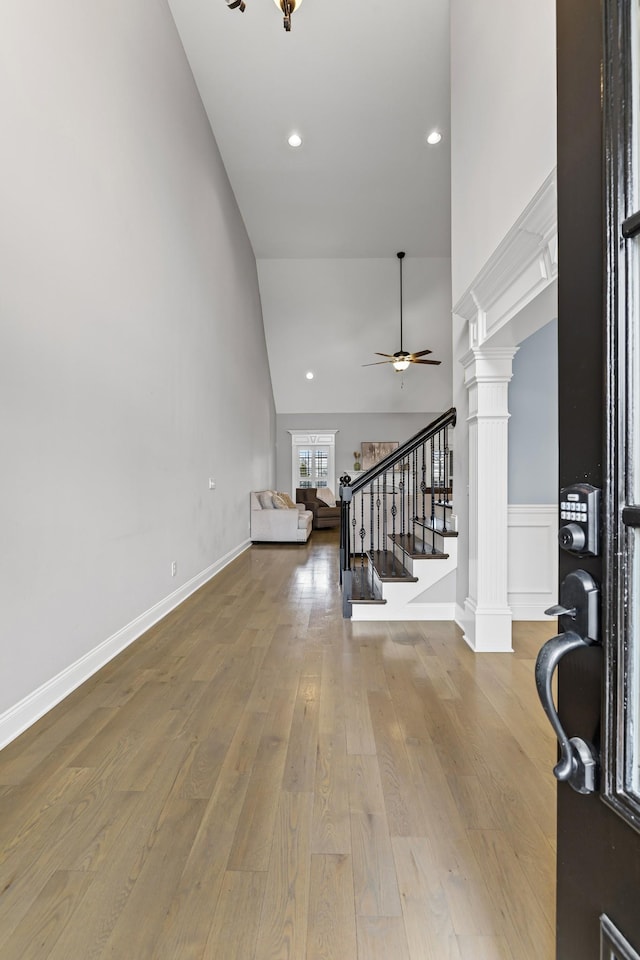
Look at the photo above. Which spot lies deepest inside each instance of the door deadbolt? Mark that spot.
(579, 531)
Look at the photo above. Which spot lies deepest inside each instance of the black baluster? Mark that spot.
(414, 512)
(394, 514)
(371, 530)
(345, 546)
(363, 533)
(384, 508)
(433, 497)
(403, 504)
(354, 522)
(445, 459)
(394, 508)
(377, 510)
(423, 489)
(449, 473)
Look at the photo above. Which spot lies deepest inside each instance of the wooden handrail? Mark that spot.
(446, 419)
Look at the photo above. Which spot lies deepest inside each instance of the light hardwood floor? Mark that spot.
(256, 778)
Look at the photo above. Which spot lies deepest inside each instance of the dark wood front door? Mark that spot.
(598, 905)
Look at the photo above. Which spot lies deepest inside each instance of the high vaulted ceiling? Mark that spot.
(363, 82)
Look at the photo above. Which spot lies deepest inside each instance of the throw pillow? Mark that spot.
(279, 502)
(266, 500)
(287, 499)
(327, 496)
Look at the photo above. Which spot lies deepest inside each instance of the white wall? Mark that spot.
(503, 109)
(133, 364)
(352, 429)
(503, 147)
(331, 316)
(533, 424)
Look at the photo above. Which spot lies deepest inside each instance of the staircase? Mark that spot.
(398, 543)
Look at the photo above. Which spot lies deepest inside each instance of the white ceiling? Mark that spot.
(363, 82)
(331, 316)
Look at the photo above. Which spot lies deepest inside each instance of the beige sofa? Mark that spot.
(273, 524)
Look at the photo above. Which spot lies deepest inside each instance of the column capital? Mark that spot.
(488, 365)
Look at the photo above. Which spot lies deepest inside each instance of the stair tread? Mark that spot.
(427, 525)
(388, 568)
(417, 549)
(362, 590)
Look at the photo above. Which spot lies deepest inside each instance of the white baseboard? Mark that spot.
(433, 611)
(27, 711)
(363, 612)
(530, 610)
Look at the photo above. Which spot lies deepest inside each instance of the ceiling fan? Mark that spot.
(402, 358)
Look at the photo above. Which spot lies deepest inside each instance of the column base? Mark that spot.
(488, 629)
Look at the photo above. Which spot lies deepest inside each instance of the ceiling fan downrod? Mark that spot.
(400, 256)
(402, 359)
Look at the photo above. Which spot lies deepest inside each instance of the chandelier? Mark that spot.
(285, 6)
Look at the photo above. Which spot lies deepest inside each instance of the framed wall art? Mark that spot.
(373, 451)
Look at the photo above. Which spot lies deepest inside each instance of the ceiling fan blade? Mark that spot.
(421, 353)
(435, 363)
(378, 354)
(377, 363)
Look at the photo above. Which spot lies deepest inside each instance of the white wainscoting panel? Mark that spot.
(532, 577)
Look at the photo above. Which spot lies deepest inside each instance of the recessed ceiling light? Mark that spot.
(309, 375)
(434, 137)
(295, 140)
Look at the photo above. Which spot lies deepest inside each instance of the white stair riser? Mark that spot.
(442, 545)
(399, 596)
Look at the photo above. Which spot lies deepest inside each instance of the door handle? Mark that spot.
(578, 764)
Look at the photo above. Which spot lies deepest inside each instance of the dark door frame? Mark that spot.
(598, 852)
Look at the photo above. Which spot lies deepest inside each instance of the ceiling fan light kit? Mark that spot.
(286, 7)
(400, 364)
(401, 359)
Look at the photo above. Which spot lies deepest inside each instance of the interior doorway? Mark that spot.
(313, 461)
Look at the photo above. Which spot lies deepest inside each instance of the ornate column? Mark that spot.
(487, 372)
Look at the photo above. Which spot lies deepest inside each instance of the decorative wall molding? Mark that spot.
(532, 580)
(22, 715)
(511, 297)
(521, 267)
(326, 438)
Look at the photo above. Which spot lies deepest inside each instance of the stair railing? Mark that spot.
(405, 499)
